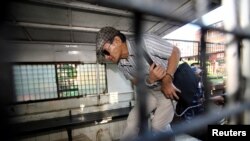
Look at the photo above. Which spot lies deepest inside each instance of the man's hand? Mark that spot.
(169, 89)
(159, 73)
(155, 73)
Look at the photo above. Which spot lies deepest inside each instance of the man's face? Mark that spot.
(112, 51)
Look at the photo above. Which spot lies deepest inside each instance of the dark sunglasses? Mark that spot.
(104, 52)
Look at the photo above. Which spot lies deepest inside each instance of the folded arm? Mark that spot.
(168, 87)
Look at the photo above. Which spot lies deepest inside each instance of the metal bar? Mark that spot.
(141, 88)
(69, 132)
(239, 95)
(85, 6)
(245, 22)
(98, 78)
(203, 58)
(57, 82)
(201, 7)
(232, 58)
(51, 43)
(60, 27)
(245, 67)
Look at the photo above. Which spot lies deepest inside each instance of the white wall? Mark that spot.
(116, 80)
(41, 52)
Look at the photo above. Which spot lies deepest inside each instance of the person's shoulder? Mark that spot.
(157, 39)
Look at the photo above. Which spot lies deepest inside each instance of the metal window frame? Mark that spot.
(56, 78)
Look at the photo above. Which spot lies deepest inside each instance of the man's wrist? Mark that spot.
(150, 84)
(167, 78)
(149, 81)
(170, 75)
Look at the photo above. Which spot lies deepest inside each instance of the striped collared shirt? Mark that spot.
(158, 49)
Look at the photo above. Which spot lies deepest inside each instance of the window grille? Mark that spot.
(35, 82)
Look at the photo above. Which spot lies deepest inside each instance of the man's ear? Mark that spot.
(117, 40)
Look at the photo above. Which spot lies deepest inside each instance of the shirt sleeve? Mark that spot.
(158, 49)
(127, 75)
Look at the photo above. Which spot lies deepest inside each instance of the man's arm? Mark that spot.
(167, 82)
(173, 61)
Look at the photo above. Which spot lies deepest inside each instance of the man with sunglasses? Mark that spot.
(112, 45)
